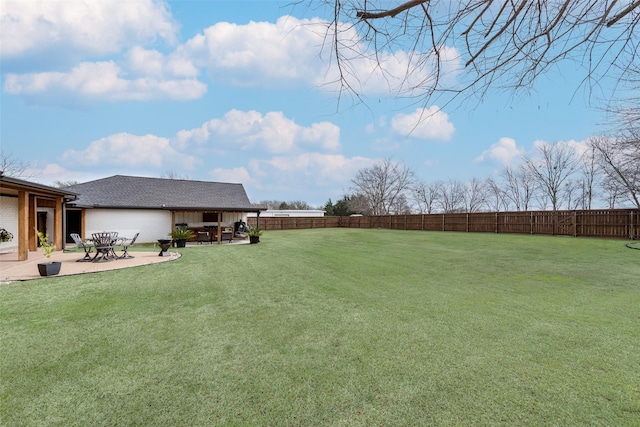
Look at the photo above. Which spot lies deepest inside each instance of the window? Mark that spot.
(210, 217)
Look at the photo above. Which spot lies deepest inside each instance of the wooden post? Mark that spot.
(531, 223)
(58, 232)
(23, 225)
(33, 223)
(219, 230)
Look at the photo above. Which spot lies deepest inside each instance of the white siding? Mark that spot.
(151, 224)
(9, 221)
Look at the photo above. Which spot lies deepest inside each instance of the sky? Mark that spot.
(241, 91)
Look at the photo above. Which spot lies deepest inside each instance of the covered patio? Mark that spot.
(27, 207)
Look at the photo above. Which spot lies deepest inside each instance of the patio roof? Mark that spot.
(132, 192)
(10, 186)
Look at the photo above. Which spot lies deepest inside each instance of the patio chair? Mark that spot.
(126, 244)
(88, 247)
(104, 246)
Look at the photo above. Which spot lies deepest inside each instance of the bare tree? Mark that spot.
(496, 199)
(506, 44)
(426, 196)
(519, 187)
(590, 172)
(383, 185)
(13, 167)
(474, 195)
(171, 174)
(552, 170)
(63, 184)
(620, 161)
(452, 196)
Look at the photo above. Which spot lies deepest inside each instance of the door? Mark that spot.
(41, 224)
(74, 224)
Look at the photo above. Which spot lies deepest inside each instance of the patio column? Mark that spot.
(58, 231)
(219, 231)
(33, 223)
(23, 225)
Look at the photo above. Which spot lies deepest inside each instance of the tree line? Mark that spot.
(604, 172)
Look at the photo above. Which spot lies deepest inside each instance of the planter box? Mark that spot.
(49, 268)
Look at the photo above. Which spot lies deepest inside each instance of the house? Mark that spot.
(26, 206)
(153, 206)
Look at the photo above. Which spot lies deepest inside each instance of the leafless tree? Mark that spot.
(620, 162)
(171, 174)
(474, 195)
(519, 187)
(506, 44)
(383, 185)
(590, 172)
(452, 196)
(552, 169)
(496, 199)
(426, 196)
(13, 167)
(63, 184)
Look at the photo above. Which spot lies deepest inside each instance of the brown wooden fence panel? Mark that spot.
(455, 222)
(434, 222)
(611, 223)
(482, 222)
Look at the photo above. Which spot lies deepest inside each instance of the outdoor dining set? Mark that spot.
(105, 245)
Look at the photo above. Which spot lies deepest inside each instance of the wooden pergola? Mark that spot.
(32, 196)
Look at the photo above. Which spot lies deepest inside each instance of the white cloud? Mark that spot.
(294, 52)
(505, 151)
(101, 80)
(126, 150)
(147, 62)
(81, 27)
(424, 123)
(400, 73)
(284, 53)
(251, 130)
(238, 175)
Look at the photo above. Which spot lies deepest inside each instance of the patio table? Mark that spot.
(104, 243)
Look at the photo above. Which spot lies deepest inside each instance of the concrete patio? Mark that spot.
(12, 270)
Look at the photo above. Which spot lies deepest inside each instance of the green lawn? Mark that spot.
(334, 327)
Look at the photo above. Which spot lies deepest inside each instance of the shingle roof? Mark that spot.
(133, 192)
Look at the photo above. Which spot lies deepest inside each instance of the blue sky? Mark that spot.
(238, 91)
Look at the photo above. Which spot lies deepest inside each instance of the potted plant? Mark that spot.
(5, 236)
(254, 234)
(180, 235)
(50, 268)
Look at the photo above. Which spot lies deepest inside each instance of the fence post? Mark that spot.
(443, 218)
(575, 224)
(497, 223)
(531, 223)
(632, 234)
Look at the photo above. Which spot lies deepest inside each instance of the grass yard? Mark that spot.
(334, 327)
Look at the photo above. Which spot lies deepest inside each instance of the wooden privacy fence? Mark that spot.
(610, 223)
